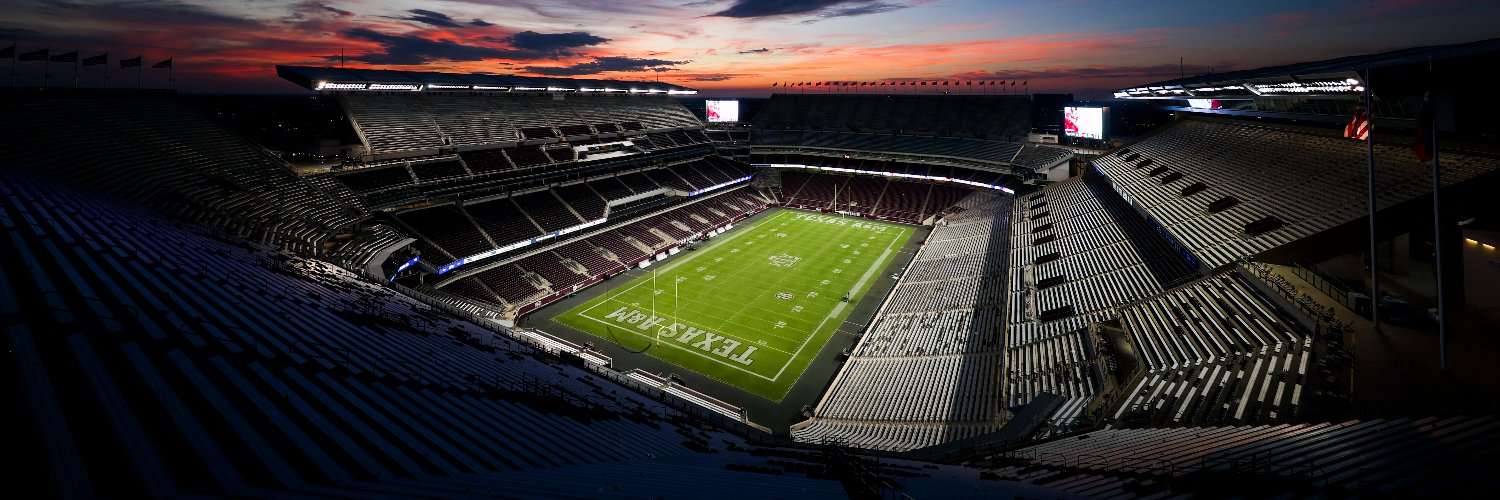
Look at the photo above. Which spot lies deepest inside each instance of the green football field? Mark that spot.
(752, 308)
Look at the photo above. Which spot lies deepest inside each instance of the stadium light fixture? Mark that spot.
(395, 86)
(339, 86)
(682, 92)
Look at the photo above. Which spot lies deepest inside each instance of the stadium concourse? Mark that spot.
(470, 300)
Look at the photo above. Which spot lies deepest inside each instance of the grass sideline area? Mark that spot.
(753, 307)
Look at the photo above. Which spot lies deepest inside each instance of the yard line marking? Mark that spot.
(840, 306)
(675, 263)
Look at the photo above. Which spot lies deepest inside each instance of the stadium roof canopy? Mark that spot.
(379, 80)
(1333, 77)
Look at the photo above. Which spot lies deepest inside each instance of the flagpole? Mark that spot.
(1370, 194)
(1437, 224)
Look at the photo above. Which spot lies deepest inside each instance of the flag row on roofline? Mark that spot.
(72, 56)
(970, 83)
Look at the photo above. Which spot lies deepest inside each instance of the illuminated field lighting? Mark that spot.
(395, 86)
(340, 86)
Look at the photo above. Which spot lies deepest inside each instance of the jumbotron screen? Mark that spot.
(723, 111)
(1087, 123)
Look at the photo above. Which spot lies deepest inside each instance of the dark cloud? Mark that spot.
(335, 10)
(9, 33)
(409, 49)
(553, 42)
(480, 22)
(862, 8)
(761, 50)
(749, 9)
(150, 13)
(606, 64)
(438, 19)
(530, 45)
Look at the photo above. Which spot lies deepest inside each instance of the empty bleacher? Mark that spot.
(415, 124)
(1234, 159)
(1214, 352)
(1423, 457)
(1032, 157)
(159, 359)
(900, 201)
(929, 369)
(976, 116)
(511, 280)
(157, 150)
(448, 227)
(1078, 251)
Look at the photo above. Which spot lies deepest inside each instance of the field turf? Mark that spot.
(754, 306)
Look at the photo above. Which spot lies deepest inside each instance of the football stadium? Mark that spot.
(406, 280)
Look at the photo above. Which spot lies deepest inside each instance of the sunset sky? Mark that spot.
(724, 47)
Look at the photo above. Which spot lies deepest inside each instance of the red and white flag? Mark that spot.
(1422, 145)
(1359, 126)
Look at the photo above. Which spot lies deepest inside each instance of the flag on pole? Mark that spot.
(164, 64)
(1422, 144)
(65, 57)
(1359, 125)
(96, 60)
(35, 55)
(8, 52)
(134, 62)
